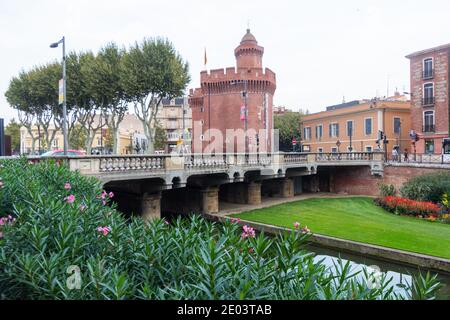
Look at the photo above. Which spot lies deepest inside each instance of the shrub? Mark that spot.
(387, 190)
(429, 187)
(404, 206)
(68, 243)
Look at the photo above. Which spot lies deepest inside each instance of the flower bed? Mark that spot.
(403, 206)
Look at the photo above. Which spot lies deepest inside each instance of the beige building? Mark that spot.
(174, 116)
(354, 126)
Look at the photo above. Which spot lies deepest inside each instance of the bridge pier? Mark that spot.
(287, 188)
(210, 200)
(151, 206)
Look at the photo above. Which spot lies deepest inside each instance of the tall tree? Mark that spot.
(87, 109)
(151, 71)
(13, 130)
(19, 97)
(103, 81)
(288, 125)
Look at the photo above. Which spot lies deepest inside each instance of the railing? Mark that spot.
(344, 156)
(295, 157)
(428, 101)
(131, 163)
(204, 161)
(427, 74)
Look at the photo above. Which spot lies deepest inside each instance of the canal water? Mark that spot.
(400, 274)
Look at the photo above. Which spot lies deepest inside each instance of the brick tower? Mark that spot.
(224, 96)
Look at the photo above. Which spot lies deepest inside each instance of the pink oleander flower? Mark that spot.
(70, 199)
(296, 225)
(111, 194)
(104, 202)
(247, 232)
(103, 195)
(82, 207)
(305, 230)
(3, 221)
(235, 220)
(166, 222)
(104, 230)
(67, 186)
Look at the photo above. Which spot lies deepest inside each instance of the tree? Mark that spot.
(77, 137)
(13, 130)
(288, 125)
(81, 98)
(19, 97)
(160, 137)
(104, 85)
(151, 71)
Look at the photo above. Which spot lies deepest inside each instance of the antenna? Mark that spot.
(387, 89)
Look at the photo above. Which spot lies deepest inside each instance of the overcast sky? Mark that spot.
(320, 50)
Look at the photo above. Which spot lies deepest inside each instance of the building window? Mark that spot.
(427, 68)
(307, 133)
(202, 109)
(55, 143)
(306, 148)
(334, 129)
(368, 126)
(428, 94)
(368, 148)
(428, 121)
(350, 128)
(397, 125)
(334, 150)
(320, 150)
(319, 132)
(429, 146)
(202, 137)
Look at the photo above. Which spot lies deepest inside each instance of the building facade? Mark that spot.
(429, 72)
(354, 126)
(232, 100)
(175, 117)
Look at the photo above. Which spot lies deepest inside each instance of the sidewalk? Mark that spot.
(227, 208)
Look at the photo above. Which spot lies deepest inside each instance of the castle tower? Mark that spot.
(248, 54)
(223, 95)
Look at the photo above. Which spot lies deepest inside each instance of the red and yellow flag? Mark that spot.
(205, 59)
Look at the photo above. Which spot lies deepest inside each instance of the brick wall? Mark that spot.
(359, 181)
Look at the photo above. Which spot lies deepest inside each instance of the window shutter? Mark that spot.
(329, 129)
(337, 129)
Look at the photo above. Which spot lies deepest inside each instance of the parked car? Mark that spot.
(59, 152)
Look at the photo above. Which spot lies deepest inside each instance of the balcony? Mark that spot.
(428, 102)
(428, 128)
(427, 74)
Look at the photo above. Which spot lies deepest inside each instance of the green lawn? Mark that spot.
(360, 220)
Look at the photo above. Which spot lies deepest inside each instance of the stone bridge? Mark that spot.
(180, 184)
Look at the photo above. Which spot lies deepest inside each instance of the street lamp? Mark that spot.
(64, 102)
(338, 144)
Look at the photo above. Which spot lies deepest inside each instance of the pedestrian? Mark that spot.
(405, 154)
(394, 154)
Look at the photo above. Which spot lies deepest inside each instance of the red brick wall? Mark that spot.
(441, 91)
(359, 181)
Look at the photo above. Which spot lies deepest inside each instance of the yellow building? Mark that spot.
(354, 126)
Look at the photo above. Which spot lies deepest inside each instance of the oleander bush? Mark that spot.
(62, 238)
(428, 187)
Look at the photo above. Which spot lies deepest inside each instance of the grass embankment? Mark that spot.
(358, 219)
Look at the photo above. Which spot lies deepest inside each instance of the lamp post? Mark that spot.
(55, 45)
